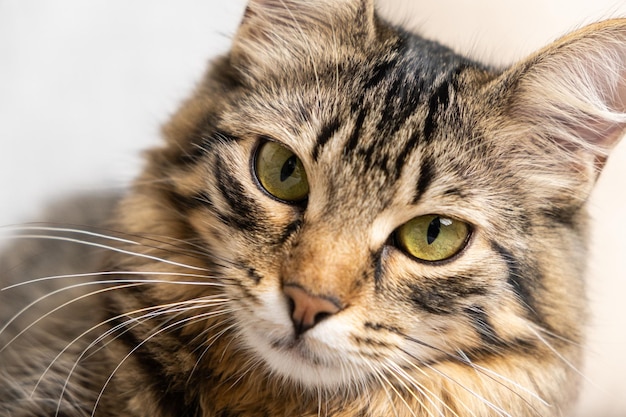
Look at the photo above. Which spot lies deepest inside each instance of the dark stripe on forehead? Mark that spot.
(426, 176)
(398, 108)
(407, 150)
(437, 103)
(327, 132)
(354, 136)
(380, 71)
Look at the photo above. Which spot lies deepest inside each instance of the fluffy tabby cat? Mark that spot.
(346, 219)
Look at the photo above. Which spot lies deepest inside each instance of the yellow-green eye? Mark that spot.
(433, 237)
(281, 173)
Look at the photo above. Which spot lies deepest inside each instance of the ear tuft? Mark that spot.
(276, 33)
(574, 91)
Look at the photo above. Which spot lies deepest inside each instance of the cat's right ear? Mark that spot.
(572, 94)
(290, 33)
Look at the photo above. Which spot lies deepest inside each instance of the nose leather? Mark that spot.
(308, 310)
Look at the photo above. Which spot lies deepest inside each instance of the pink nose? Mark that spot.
(308, 310)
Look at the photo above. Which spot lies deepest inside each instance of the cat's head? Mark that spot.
(377, 205)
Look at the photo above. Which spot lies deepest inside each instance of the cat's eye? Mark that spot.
(433, 237)
(281, 173)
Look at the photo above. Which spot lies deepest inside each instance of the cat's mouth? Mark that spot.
(298, 346)
(307, 359)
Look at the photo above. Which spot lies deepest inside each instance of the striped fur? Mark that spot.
(388, 126)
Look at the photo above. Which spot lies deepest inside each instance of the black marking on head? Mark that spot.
(368, 341)
(437, 103)
(289, 231)
(522, 279)
(253, 274)
(184, 204)
(455, 191)
(564, 216)
(377, 262)
(381, 327)
(379, 73)
(244, 213)
(409, 146)
(327, 132)
(482, 325)
(354, 137)
(400, 102)
(246, 295)
(426, 176)
(443, 296)
(227, 412)
(432, 301)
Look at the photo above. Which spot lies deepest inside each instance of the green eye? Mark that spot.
(433, 237)
(281, 173)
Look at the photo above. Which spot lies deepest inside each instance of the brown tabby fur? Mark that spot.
(389, 126)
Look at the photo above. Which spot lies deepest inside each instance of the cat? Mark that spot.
(345, 219)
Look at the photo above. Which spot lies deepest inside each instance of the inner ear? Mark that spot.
(573, 92)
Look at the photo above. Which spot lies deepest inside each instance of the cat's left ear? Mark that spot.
(283, 33)
(572, 94)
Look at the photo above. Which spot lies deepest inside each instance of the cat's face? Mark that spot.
(373, 203)
(348, 224)
(376, 208)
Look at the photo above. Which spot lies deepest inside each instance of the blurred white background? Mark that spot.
(84, 87)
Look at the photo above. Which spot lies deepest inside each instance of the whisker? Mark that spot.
(105, 273)
(64, 229)
(385, 382)
(99, 282)
(493, 375)
(42, 317)
(173, 325)
(465, 360)
(559, 355)
(111, 248)
(425, 391)
(490, 404)
(211, 341)
(397, 372)
(161, 310)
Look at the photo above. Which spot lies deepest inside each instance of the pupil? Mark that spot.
(288, 168)
(433, 230)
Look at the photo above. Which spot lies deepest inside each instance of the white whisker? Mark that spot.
(122, 273)
(490, 404)
(426, 392)
(111, 248)
(67, 230)
(481, 370)
(160, 310)
(100, 282)
(119, 365)
(559, 355)
(395, 370)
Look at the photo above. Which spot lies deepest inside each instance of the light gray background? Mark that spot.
(84, 86)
